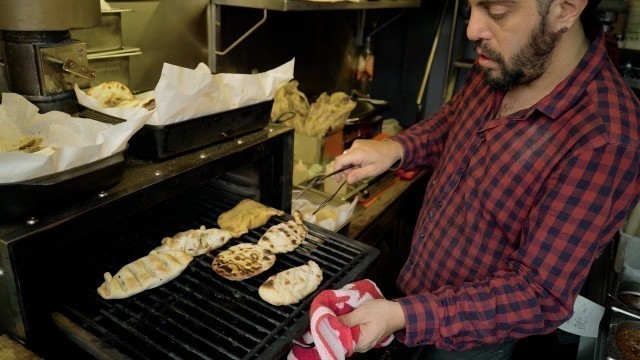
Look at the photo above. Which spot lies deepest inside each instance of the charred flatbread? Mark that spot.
(292, 285)
(195, 241)
(243, 261)
(247, 214)
(286, 236)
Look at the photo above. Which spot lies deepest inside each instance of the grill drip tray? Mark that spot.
(198, 315)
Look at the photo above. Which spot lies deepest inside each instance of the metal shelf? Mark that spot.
(304, 5)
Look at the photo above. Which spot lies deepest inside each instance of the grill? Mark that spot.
(198, 315)
(52, 261)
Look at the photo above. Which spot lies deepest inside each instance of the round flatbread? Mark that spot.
(113, 94)
(243, 261)
(292, 285)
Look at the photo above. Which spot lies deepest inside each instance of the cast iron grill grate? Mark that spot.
(198, 315)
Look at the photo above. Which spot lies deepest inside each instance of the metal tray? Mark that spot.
(618, 322)
(41, 194)
(163, 141)
(627, 288)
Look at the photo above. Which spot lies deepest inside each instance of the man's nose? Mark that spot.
(476, 29)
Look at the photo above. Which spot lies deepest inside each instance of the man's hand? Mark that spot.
(371, 157)
(377, 319)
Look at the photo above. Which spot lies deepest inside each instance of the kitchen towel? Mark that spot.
(332, 339)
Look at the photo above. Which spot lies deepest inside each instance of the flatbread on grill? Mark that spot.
(246, 215)
(292, 285)
(243, 261)
(286, 236)
(194, 242)
(145, 273)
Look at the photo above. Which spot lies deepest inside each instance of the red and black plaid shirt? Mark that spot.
(518, 207)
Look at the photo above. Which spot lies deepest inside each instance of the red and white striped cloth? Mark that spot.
(334, 340)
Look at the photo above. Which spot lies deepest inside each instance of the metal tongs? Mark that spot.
(316, 179)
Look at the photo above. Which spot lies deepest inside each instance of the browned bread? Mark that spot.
(242, 261)
(145, 273)
(246, 215)
(292, 285)
(194, 242)
(286, 236)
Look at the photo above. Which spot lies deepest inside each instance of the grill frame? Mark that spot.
(30, 251)
(343, 260)
(28, 241)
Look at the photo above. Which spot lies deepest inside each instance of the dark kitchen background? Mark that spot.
(326, 43)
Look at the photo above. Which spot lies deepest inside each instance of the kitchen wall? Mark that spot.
(173, 31)
(323, 43)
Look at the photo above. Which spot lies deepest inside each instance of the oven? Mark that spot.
(52, 261)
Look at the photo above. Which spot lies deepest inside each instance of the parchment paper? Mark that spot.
(69, 141)
(184, 94)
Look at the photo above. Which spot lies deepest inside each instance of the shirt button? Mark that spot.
(439, 204)
(459, 172)
(421, 235)
(410, 262)
(433, 182)
(481, 135)
(431, 215)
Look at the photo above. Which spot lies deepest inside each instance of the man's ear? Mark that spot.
(565, 13)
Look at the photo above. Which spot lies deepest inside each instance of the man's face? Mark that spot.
(513, 40)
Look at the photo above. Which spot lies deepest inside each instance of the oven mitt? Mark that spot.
(332, 339)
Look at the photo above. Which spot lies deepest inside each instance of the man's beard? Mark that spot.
(528, 64)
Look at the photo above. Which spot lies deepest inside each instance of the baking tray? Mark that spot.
(163, 141)
(35, 196)
(618, 321)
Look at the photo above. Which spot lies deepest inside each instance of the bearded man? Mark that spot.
(535, 166)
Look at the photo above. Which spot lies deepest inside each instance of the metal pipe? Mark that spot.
(432, 53)
(244, 36)
(452, 39)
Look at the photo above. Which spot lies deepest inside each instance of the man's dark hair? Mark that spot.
(590, 9)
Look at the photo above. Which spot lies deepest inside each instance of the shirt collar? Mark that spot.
(572, 88)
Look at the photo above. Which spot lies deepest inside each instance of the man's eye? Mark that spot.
(497, 12)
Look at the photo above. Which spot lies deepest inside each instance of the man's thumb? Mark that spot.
(347, 319)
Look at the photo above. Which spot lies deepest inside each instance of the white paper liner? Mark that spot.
(69, 141)
(184, 94)
(307, 207)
